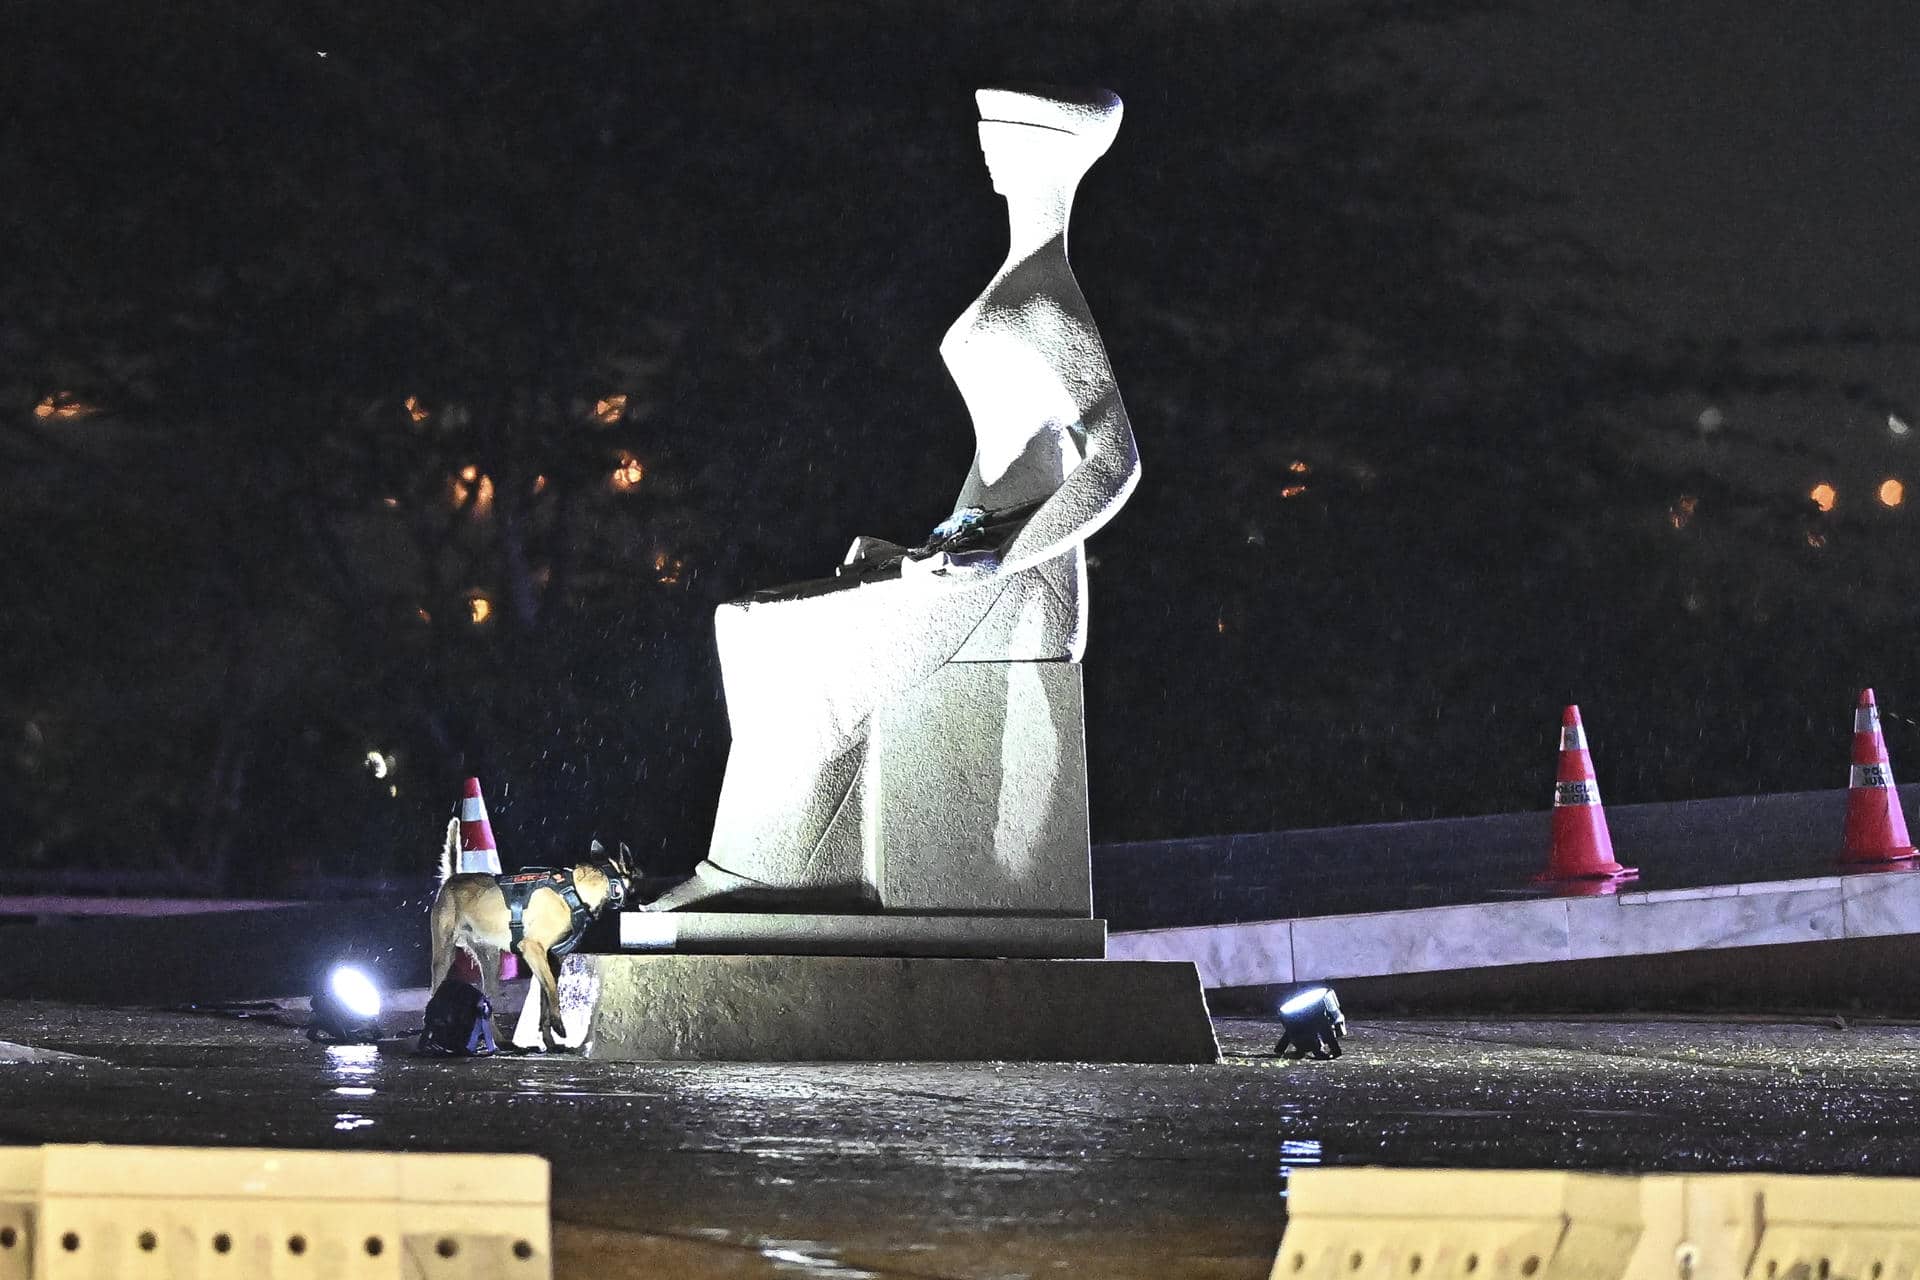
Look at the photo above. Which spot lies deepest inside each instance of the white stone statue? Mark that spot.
(907, 734)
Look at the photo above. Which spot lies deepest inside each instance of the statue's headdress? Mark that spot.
(1093, 114)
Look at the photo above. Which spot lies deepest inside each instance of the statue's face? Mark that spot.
(1020, 157)
(988, 149)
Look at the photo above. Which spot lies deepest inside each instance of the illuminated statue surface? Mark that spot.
(907, 733)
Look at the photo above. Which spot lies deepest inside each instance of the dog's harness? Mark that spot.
(523, 884)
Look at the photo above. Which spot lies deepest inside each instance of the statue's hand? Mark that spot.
(868, 553)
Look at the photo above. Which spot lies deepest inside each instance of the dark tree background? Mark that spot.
(390, 392)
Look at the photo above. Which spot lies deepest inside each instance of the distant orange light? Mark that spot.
(1816, 540)
(479, 609)
(423, 615)
(607, 411)
(539, 484)
(1892, 492)
(416, 410)
(62, 407)
(1298, 467)
(471, 484)
(1220, 626)
(627, 474)
(390, 503)
(1293, 491)
(1823, 495)
(1680, 514)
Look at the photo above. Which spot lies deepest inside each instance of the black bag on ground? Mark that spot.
(458, 1022)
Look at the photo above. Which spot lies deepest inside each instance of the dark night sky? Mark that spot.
(769, 218)
(1750, 165)
(1756, 158)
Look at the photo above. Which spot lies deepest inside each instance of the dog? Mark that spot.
(475, 912)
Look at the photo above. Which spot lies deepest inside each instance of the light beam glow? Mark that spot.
(355, 990)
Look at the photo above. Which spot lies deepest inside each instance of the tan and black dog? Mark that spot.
(474, 911)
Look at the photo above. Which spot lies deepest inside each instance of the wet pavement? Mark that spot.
(989, 1170)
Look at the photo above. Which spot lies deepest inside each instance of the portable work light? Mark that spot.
(1311, 1023)
(346, 1009)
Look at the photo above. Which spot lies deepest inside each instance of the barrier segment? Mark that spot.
(19, 1205)
(1867, 1227)
(1360, 1223)
(211, 1214)
(1876, 828)
(1490, 1225)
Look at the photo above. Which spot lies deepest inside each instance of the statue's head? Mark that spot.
(1044, 135)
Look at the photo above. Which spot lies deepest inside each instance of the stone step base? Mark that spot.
(713, 1008)
(820, 934)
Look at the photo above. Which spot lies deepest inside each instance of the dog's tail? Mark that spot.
(450, 850)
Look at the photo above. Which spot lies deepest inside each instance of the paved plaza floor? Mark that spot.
(989, 1170)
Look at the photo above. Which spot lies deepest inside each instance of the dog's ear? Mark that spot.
(596, 848)
(625, 860)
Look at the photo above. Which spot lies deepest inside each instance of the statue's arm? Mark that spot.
(1089, 496)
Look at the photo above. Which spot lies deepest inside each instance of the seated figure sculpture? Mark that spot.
(906, 733)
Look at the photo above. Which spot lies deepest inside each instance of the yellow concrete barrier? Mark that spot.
(1422, 1223)
(19, 1196)
(1446, 1224)
(1838, 1227)
(187, 1213)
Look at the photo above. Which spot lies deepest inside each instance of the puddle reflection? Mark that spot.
(810, 1257)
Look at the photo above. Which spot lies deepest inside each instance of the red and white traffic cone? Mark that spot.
(1876, 829)
(478, 853)
(1582, 856)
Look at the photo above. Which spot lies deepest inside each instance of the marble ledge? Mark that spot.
(1713, 917)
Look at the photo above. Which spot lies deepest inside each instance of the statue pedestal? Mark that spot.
(814, 1008)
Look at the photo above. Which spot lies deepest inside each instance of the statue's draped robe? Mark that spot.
(806, 666)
